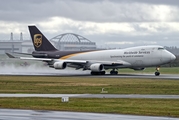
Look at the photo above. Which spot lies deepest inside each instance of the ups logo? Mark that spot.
(37, 40)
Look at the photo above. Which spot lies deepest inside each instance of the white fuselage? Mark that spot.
(142, 56)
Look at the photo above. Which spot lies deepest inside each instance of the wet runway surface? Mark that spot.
(19, 114)
(33, 70)
(151, 76)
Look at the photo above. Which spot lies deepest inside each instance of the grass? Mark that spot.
(76, 85)
(154, 107)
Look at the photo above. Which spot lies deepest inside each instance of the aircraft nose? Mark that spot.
(172, 57)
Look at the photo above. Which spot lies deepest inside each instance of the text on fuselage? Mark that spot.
(139, 52)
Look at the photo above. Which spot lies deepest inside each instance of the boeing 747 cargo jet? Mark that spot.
(137, 58)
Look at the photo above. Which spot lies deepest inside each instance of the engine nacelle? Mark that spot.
(96, 67)
(138, 69)
(59, 65)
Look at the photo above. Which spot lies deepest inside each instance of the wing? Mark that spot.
(85, 64)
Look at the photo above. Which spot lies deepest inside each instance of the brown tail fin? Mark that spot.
(40, 42)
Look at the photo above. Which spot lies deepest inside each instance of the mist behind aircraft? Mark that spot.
(34, 69)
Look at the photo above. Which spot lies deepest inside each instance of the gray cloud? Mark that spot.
(27, 11)
(159, 2)
(145, 17)
(162, 2)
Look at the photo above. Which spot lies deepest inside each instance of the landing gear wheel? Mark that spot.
(157, 73)
(113, 72)
(103, 73)
(98, 73)
(92, 73)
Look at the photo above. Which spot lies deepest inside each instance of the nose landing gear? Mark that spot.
(157, 73)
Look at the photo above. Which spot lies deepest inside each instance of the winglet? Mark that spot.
(10, 56)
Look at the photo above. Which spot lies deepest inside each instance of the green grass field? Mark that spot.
(76, 85)
(29, 84)
(153, 107)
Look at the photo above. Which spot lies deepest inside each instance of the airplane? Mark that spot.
(136, 58)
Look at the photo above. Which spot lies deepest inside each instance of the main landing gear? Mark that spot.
(113, 72)
(157, 73)
(98, 73)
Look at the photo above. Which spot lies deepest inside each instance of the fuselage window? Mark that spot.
(160, 48)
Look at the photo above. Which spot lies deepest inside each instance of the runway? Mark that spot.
(142, 76)
(19, 114)
(33, 70)
(93, 96)
(151, 76)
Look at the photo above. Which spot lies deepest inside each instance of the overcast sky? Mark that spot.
(109, 23)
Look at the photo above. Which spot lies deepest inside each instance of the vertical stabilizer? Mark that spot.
(40, 42)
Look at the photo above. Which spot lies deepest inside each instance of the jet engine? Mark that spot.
(59, 65)
(96, 67)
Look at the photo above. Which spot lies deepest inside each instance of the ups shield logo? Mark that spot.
(37, 40)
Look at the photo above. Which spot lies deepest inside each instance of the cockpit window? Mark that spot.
(161, 48)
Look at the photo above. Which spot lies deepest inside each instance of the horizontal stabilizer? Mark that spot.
(10, 55)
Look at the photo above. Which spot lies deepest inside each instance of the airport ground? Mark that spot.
(59, 83)
(84, 85)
